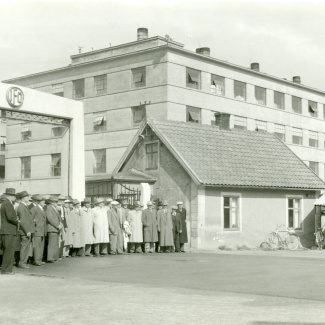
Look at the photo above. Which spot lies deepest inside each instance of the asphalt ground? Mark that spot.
(193, 288)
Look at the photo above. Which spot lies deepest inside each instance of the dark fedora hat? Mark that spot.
(53, 199)
(87, 200)
(22, 194)
(38, 198)
(10, 191)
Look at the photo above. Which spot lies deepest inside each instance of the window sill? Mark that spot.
(231, 230)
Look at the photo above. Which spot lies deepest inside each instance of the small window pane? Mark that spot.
(56, 165)
(79, 88)
(99, 161)
(99, 121)
(25, 167)
(240, 123)
(296, 104)
(260, 95)
(139, 114)
(193, 114)
(138, 77)
(278, 100)
(152, 155)
(313, 139)
(280, 131)
(193, 78)
(312, 108)
(100, 83)
(239, 90)
(261, 126)
(57, 90)
(297, 136)
(314, 166)
(218, 85)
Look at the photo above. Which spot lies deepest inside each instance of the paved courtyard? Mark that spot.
(192, 288)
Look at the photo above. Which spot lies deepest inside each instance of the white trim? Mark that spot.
(240, 219)
(301, 198)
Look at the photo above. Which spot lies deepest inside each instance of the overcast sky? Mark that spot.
(286, 38)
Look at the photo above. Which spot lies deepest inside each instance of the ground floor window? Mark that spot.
(231, 217)
(294, 213)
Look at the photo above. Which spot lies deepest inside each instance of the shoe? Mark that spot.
(112, 253)
(60, 259)
(23, 266)
(43, 263)
(167, 251)
(183, 252)
(37, 264)
(8, 273)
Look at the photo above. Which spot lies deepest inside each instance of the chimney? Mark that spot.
(142, 33)
(255, 66)
(204, 51)
(296, 79)
(222, 120)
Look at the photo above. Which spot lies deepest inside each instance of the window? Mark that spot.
(193, 114)
(56, 165)
(239, 90)
(278, 100)
(193, 78)
(280, 132)
(138, 77)
(139, 114)
(26, 131)
(79, 88)
(25, 167)
(312, 108)
(230, 213)
(314, 166)
(294, 213)
(2, 172)
(260, 126)
(57, 90)
(218, 85)
(296, 104)
(260, 95)
(99, 161)
(152, 155)
(240, 123)
(100, 83)
(58, 131)
(99, 121)
(313, 139)
(296, 136)
(324, 111)
(2, 144)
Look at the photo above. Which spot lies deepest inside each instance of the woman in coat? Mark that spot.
(135, 222)
(70, 230)
(183, 235)
(100, 225)
(150, 230)
(165, 228)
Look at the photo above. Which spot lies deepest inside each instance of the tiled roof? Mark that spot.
(234, 157)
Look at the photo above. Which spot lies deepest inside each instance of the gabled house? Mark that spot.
(236, 185)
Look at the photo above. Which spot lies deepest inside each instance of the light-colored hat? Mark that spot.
(109, 200)
(137, 204)
(99, 200)
(115, 203)
(174, 207)
(179, 202)
(67, 201)
(149, 203)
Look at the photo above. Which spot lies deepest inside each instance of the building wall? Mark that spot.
(260, 212)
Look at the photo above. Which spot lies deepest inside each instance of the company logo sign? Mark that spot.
(15, 97)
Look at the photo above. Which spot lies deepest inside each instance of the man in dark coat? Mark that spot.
(183, 235)
(39, 216)
(27, 229)
(177, 227)
(9, 229)
(150, 228)
(116, 220)
(54, 226)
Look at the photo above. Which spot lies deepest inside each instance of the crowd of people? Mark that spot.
(34, 229)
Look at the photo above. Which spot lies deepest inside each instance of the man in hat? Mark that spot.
(88, 225)
(165, 228)
(150, 229)
(177, 227)
(108, 204)
(39, 217)
(54, 226)
(78, 237)
(115, 224)
(2, 198)
(27, 229)
(63, 231)
(8, 231)
(100, 226)
(183, 235)
(68, 241)
(135, 222)
(33, 203)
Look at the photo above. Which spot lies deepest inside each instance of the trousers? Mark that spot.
(116, 242)
(149, 247)
(53, 246)
(87, 250)
(25, 244)
(8, 257)
(38, 249)
(135, 247)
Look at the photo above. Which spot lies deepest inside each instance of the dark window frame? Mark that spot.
(152, 155)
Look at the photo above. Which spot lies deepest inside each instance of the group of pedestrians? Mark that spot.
(34, 229)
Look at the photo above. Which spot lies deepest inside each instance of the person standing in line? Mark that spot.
(27, 229)
(100, 226)
(70, 228)
(63, 231)
(165, 228)
(125, 211)
(177, 227)
(54, 226)
(88, 225)
(136, 226)
(2, 198)
(115, 224)
(79, 235)
(150, 230)
(39, 217)
(183, 235)
(8, 231)
(108, 204)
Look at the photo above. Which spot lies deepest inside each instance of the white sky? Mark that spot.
(286, 38)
